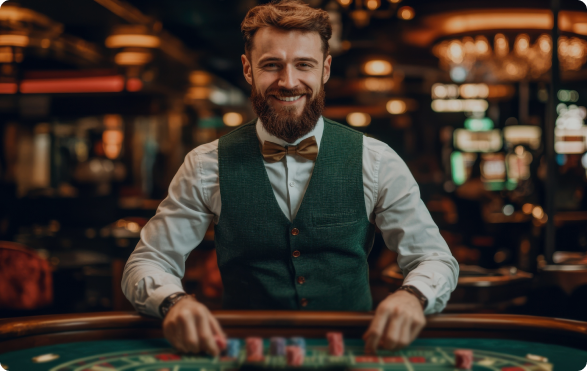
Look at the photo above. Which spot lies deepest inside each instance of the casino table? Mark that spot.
(127, 341)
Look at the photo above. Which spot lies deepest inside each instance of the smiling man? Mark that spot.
(295, 199)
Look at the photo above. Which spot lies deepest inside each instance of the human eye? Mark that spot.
(271, 66)
(305, 65)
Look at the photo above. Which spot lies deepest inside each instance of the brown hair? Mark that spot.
(286, 15)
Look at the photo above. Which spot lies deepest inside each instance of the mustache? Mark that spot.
(288, 92)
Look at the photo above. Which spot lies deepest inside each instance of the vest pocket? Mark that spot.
(342, 219)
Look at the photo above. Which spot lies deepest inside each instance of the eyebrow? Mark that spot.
(276, 59)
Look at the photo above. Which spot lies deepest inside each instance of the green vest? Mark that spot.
(256, 248)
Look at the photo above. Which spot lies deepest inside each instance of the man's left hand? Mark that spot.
(398, 321)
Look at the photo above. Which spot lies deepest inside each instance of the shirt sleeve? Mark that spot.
(156, 266)
(408, 229)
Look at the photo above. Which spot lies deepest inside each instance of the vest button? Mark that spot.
(301, 280)
(296, 253)
(295, 231)
(304, 302)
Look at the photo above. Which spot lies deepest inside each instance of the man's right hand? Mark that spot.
(190, 328)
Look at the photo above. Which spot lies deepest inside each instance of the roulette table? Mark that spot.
(127, 341)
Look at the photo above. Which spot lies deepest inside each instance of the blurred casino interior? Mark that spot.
(485, 100)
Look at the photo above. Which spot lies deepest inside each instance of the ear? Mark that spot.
(247, 69)
(326, 69)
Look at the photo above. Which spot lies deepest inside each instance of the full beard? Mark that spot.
(284, 123)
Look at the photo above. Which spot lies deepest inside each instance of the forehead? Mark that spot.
(285, 44)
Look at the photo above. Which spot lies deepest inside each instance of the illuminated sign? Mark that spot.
(461, 164)
(570, 134)
(493, 167)
(523, 134)
(518, 164)
(459, 105)
(482, 124)
(478, 141)
(473, 91)
(568, 95)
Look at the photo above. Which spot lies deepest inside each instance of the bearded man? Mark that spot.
(294, 198)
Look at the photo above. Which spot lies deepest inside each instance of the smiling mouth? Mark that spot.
(287, 99)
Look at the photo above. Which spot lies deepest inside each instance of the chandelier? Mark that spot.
(361, 11)
(473, 58)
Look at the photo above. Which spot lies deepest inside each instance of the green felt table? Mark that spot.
(125, 341)
(423, 354)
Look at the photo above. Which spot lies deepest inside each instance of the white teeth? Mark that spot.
(288, 99)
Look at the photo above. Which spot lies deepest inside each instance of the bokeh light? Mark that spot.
(358, 119)
(232, 119)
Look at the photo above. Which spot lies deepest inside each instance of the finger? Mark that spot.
(205, 335)
(190, 334)
(219, 335)
(216, 328)
(417, 327)
(174, 335)
(375, 331)
(405, 336)
(392, 333)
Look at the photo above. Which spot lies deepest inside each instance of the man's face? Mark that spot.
(287, 71)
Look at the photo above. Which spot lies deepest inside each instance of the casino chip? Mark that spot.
(45, 358)
(464, 359)
(233, 348)
(335, 343)
(254, 349)
(277, 346)
(295, 355)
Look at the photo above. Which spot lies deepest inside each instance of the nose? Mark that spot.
(288, 78)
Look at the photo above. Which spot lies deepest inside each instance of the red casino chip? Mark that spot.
(464, 359)
(335, 343)
(254, 349)
(295, 355)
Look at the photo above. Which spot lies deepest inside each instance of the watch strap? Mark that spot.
(417, 293)
(170, 301)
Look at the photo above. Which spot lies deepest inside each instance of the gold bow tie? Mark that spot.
(307, 148)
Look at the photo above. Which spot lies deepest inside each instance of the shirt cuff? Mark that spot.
(156, 298)
(426, 291)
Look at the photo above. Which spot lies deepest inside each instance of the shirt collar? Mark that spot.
(264, 135)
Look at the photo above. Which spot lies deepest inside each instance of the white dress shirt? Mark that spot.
(392, 201)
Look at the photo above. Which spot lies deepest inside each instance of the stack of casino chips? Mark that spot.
(335, 343)
(277, 346)
(464, 359)
(295, 355)
(299, 342)
(233, 347)
(254, 349)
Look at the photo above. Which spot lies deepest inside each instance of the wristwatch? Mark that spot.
(417, 293)
(170, 301)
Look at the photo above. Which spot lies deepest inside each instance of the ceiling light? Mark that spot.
(373, 4)
(497, 20)
(358, 119)
(396, 107)
(200, 78)
(406, 13)
(580, 28)
(132, 58)
(137, 41)
(198, 93)
(377, 68)
(14, 40)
